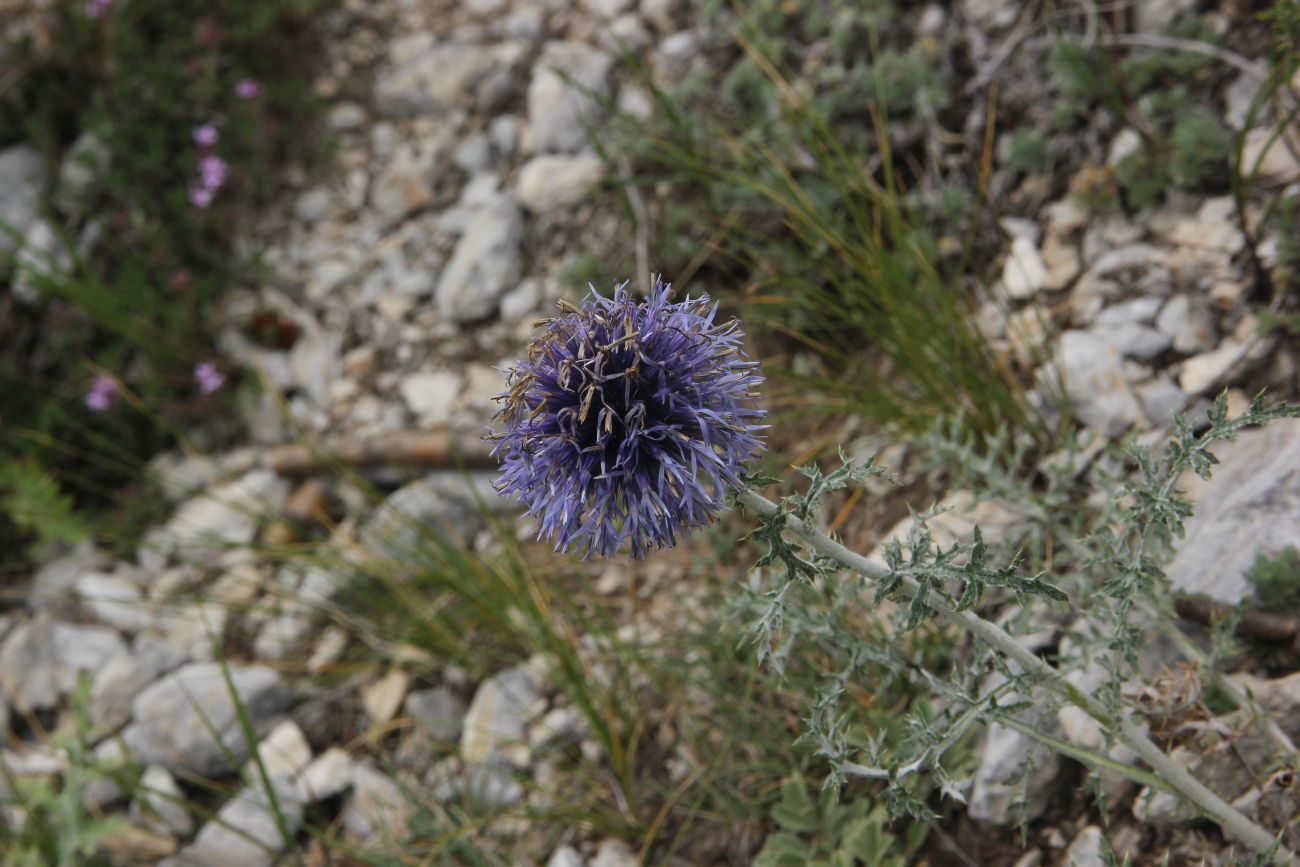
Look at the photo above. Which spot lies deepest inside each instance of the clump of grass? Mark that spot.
(126, 91)
(1276, 579)
(53, 828)
(792, 197)
(694, 732)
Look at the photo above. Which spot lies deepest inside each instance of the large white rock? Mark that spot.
(1005, 754)
(246, 831)
(954, 521)
(114, 600)
(427, 77)
(551, 181)
(1189, 324)
(22, 176)
(569, 82)
(159, 804)
(42, 256)
(41, 661)
(284, 752)
(1092, 372)
(486, 264)
(1276, 162)
(122, 677)
(188, 720)
(445, 503)
(1209, 371)
(378, 808)
(1088, 849)
(226, 516)
(1024, 273)
(1251, 504)
(614, 853)
(329, 774)
(404, 187)
(498, 715)
(431, 395)
(1133, 340)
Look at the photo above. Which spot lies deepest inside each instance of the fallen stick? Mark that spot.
(403, 448)
(1257, 624)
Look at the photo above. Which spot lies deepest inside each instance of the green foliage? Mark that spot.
(586, 270)
(1110, 560)
(1183, 145)
(1276, 579)
(483, 613)
(1281, 212)
(1199, 145)
(1283, 18)
(145, 263)
(1028, 151)
(1283, 323)
(1080, 74)
(827, 832)
(907, 80)
(56, 830)
(1195, 152)
(1148, 70)
(748, 92)
(37, 505)
(1143, 178)
(798, 194)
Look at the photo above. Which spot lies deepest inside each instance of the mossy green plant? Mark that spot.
(1276, 579)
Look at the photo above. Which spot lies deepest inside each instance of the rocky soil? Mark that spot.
(409, 275)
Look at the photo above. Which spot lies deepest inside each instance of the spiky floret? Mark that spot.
(628, 420)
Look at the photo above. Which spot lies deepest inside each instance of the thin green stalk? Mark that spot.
(250, 736)
(1089, 757)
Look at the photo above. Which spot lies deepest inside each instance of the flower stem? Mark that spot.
(1232, 821)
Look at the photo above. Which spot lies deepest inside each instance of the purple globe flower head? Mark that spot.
(628, 421)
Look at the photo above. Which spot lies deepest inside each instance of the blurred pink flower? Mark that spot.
(201, 197)
(181, 279)
(98, 8)
(206, 136)
(248, 88)
(103, 394)
(213, 170)
(208, 377)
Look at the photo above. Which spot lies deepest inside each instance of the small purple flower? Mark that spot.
(628, 421)
(103, 394)
(98, 8)
(213, 171)
(206, 136)
(208, 377)
(248, 88)
(201, 197)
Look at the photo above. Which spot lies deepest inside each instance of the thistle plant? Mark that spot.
(631, 420)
